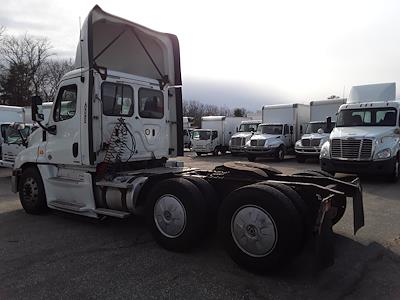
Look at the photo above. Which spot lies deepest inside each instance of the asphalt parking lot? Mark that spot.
(58, 255)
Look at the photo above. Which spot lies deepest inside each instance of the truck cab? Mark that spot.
(14, 141)
(316, 134)
(238, 141)
(206, 141)
(366, 137)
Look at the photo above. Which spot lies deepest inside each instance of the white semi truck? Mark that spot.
(105, 149)
(282, 125)
(366, 138)
(215, 134)
(238, 141)
(322, 120)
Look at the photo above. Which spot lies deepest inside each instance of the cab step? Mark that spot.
(112, 213)
(68, 206)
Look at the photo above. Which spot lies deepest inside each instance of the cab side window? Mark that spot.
(151, 104)
(214, 134)
(117, 99)
(65, 107)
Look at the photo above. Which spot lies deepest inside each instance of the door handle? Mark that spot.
(75, 149)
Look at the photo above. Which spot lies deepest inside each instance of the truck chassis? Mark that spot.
(263, 217)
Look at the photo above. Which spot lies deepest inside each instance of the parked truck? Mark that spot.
(215, 134)
(238, 140)
(104, 151)
(282, 126)
(322, 120)
(366, 137)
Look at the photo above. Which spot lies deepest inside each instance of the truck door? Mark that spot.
(152, 114)
(287, 136)
(63, 147)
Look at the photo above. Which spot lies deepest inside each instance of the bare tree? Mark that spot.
(53, 70)
(197, 110)
(22, 59)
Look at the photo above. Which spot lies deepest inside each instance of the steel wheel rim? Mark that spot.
(170, 216)
(254, 230)
(30, 190)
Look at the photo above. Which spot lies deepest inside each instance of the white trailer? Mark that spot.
(215, 134)
(115, 122)
(322, 120)
(282, 125)
(366, 137)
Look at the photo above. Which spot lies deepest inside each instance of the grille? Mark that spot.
(351, 149)
(237, 141)
(305, 142)
(257, 142)
(315, 142)
(9, 157)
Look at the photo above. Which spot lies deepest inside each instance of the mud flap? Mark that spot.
(358, 207)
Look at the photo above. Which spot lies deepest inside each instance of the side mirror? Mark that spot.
(291, 129)
(320, 131)
(37, 114)
(329, 123)
(301, 129)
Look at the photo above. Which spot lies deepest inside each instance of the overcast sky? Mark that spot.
(245, 53)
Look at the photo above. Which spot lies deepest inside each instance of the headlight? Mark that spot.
(385, 153)
(325, 150)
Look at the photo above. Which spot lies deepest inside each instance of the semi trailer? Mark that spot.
(322, 120)
(215, 134)
(105, 152)
(366, 137)
(282, 126)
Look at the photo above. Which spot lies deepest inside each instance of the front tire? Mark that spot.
(251, 158)
(31, 192)
(176, 214)
(394, 176)
(300, 159)
(260, 228)
(280, 153)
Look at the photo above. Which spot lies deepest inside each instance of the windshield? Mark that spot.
(201, 135)
(12, 136)
(314, 127)
(248, 127)
(270, 129)
(367, 117)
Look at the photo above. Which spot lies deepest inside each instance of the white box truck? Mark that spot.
(282, 125)
(115, 122)
(215, 134)
(366, 136)
(238, 140)
(322, 120)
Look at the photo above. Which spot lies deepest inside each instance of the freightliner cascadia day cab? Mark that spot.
(282, 125)
(366, 136)
(215, 133)
(105, 149)
(322, 120)
(238, 140)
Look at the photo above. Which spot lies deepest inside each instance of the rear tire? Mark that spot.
(31, 192)
(176, 214)
(260, 228)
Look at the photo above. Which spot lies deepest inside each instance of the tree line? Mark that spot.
(196, 110)
(28, 67)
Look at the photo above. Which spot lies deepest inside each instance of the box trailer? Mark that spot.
(322, 120)
(282, 126)
(104, 151)
(215, 134)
